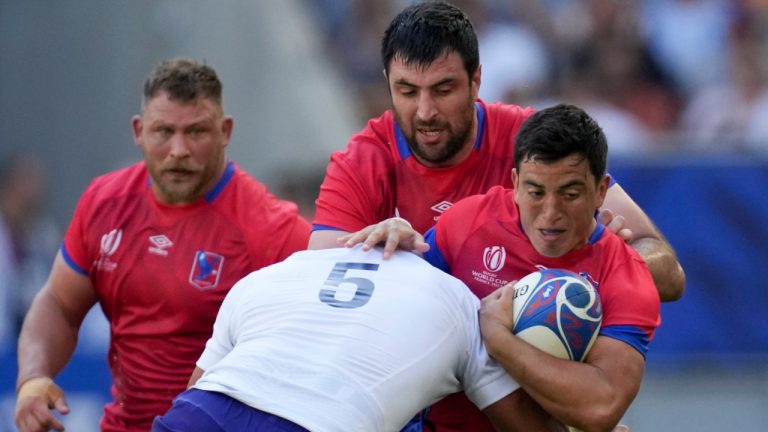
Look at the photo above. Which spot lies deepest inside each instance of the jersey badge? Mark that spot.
(159, 244)
(441, 207)
(494, 258)
(109, 244)
(206, 269)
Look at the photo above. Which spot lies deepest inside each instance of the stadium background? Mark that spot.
(300, 76)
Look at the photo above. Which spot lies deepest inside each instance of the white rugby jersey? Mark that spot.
(342, 340)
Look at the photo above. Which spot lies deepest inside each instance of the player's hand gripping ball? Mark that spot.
(558, 312)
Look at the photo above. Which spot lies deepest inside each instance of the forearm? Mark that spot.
(577, 394)
(668, 274)
(325, 239)
(47, 340)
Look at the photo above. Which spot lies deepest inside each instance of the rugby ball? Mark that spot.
(558, 312)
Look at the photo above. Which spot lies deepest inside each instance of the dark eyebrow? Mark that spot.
(571, 184)
(565, 186)
(443, 81)
(533, 183)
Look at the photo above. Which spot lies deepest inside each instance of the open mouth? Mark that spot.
(179, 173)
(550, 233)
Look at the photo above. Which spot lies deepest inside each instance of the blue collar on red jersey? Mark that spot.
(229, 171)
(211, 195)
(405, 150)
(597, 233)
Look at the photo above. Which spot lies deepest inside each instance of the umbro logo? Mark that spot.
(159, 244)
(442, 206)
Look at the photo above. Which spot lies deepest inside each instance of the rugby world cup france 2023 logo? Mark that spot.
(494, 257)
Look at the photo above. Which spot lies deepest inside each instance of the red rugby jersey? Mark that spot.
(377, 175)
(161, 272)
(484, 225)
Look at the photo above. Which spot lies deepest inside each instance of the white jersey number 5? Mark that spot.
(336, 278)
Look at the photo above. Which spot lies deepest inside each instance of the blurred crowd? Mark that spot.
(659, 75)
(28, 238)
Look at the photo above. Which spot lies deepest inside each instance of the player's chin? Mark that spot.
(550, 248)
(181, 192)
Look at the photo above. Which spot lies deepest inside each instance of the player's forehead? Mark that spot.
(570, 170)
(161, 108)
(445, 66)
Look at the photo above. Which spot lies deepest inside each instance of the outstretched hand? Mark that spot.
(615, 223)
(394, 233)
(36, 397)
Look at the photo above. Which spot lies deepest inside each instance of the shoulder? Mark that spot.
(618, 250)
(248, 197)
(493, 201)
(373, 145)
(503, 121)
(125, 181)
(502, 115)
(623, 264)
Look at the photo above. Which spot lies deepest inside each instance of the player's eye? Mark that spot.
(165, 132)
(571, 195)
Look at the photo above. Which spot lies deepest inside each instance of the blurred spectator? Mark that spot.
(688, 39)
(514, 51)
(733, 114)
(28, 239)
(353, 33)
(608, 71)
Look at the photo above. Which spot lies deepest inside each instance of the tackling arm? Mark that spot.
(647, 240)
(592, 396)
(518, 412)
(46, 342)
(325, 239)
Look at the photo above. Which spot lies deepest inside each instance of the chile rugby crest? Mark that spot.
(206, 270)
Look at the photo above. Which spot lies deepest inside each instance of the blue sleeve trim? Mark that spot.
(318, 227)
(433, 255)
(70, 262)
(632, 335)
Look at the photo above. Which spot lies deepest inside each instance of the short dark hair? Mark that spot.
(425, 31)
(560, 131)
(184, 80)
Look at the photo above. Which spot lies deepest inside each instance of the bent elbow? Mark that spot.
(676, 288)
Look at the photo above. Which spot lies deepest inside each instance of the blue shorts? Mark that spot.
(205, 411)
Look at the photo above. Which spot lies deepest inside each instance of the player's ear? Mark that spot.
(138, 126)
(516, 185)
(386, 79)
(475, 82)
(602, 189)
(226, 128)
